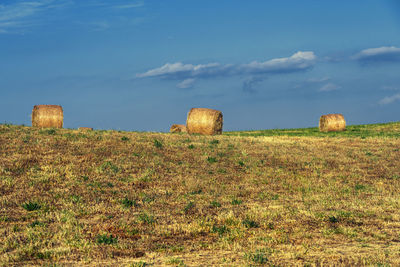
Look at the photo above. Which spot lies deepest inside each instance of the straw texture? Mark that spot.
(178, 128)
(47, 116)
(204, 121)
(332, 123)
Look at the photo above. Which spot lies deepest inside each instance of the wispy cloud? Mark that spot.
(129, 6)
(389, 99)
(249, 84)
(380, 54)
(390, 88)
(20, 14)
(318, 80)
(299, 61)
(186, 84)
(23, 15)
(329, 87)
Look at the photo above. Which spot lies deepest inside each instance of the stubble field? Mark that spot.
(273, 198)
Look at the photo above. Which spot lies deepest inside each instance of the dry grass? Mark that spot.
(47, 116)
(178, 128)
(85, 129)
(125, 199)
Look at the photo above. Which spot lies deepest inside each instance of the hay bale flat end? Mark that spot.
(332, 123)
(47, 116)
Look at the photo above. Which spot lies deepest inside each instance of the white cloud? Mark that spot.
(390, 88)
(318, 80)
(128, 6)
(389, 99)
(297, 62)
(329, 87)
(18, 15)
(384, 53)
(185, 84)
(179, 68)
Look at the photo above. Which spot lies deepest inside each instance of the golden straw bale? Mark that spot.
(204, 121)
(178, 128)
(332, 122)
(47, 116)
(85, 129)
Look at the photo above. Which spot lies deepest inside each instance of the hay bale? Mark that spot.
(85, 129)
(332, 123)
(204, 121)
(47, 116)
(178, 128)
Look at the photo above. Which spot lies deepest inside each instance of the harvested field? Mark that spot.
(131, 199)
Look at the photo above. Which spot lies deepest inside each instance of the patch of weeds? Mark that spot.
(258, 257)
(124, 138)
(236, 201)
(333, 219)
(4, 219)
(108, 166)
(75, 198)
(176, 262)
(140, 264)
(109, 184)
(158, 144)
(190, 146)
(48, 132)
(145, 218)
(241, 163)
(133, 231)
(85, 178)
(214, 142)
(215, 204)
(36, 223)
(43, 255)
(221, 171)
(188, 207)
(128, 203)
(26, 139)
(147, 198)
(106, 239)
(211, 159)
(196, 192)
(31, 206)
(360, 187)
(250, 223)
(219, 229)
(271, 226)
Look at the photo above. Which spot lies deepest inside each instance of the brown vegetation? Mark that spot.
(85, 129)
(178, 128)
(115, 198)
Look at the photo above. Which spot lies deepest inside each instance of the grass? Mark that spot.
(391, 130)
(267, 198)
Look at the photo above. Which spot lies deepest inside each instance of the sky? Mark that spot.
(141, 65)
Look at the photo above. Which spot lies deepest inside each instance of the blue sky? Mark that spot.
(141, 65)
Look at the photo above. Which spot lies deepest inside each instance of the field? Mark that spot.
(257, 198)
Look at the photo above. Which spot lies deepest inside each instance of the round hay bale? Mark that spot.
(332, 123)
(204, 121)
(85, 129)
(47, 116)
(178, 128)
